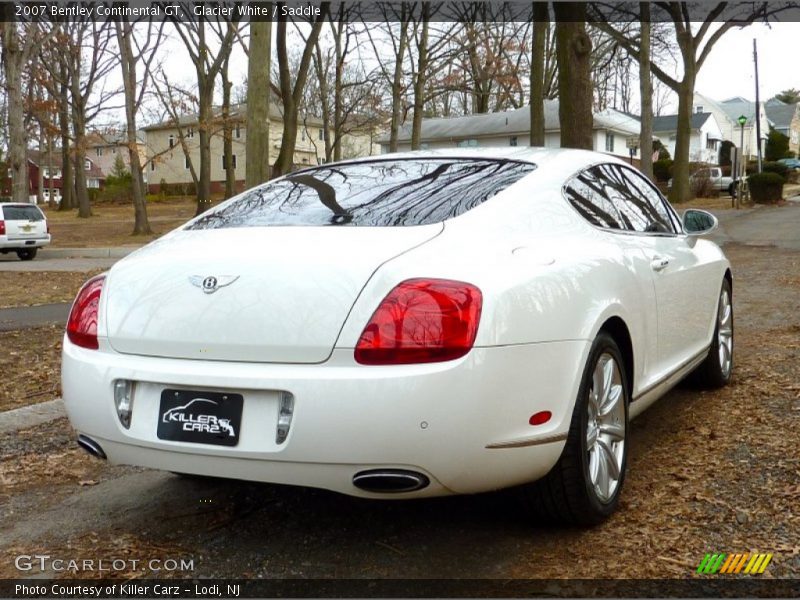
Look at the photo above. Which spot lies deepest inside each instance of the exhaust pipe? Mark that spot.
(390, 481)
(91, 446)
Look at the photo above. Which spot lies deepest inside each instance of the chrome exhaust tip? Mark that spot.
(91, 446)
(390, 481)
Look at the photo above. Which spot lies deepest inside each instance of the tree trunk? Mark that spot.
(81, 187)
(540, 26)
(141, 224)
(646, 94)
(338, 104)
(227, 134)
(13, 63)
(292, 93)
(680, 191)
(573, 52)
(397, 79)
(67, 195)
(420, 79)
(258, 101)
(324, 97)
(205, 99)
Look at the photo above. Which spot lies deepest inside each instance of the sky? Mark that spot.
(729, 71)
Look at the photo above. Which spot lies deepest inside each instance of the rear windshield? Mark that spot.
(22, 213)
(381, 193)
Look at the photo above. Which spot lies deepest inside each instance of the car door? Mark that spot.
(684, 286)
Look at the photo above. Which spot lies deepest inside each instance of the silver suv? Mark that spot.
(23, 229)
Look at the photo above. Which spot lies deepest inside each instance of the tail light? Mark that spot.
(82, 323)
(48, 226)
(2, 227)
(422, 321)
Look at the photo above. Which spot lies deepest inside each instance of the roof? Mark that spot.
(238, 112)
(39, 158)
(509, 122)
(781, 115)
(670, 122)
(112, 138)
(738, 106)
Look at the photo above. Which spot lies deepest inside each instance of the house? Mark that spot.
(104, 146)
(704, 140)
(785, 118)
(611, 129)
(727, 113)
(44, 170)
(168, 164)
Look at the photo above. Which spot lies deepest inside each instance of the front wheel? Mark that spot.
(716, 370)
(27, 253)
(584, 487)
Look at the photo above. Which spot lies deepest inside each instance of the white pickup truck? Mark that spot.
(719, 182)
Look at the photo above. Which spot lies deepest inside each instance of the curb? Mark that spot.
(118, 252)
(29, 416)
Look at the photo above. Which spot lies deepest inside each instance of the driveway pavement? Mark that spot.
(66, 259)
(760, 226)
(33, 316)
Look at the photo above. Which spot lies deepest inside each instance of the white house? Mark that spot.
(611, 129)
(704, 140)
(727, 113)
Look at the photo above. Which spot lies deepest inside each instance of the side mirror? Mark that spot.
(699, 222)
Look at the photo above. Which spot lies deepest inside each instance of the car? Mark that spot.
(403, 326)
(23, 229)
(717, 181)
(792, 163)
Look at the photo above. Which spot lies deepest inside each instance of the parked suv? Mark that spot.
(23, 229)
(718, 181)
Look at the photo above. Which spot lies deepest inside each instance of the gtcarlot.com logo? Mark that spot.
(45, 562)
(746, 563)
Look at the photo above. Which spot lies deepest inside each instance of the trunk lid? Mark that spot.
(281, 294)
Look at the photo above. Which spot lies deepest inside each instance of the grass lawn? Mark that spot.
(111, 224)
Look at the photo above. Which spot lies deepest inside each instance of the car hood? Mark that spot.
(281, 294)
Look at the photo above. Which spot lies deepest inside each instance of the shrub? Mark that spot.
(765, 188)
(662, 169)
(702, 187)
(775, 167)
(177, 189)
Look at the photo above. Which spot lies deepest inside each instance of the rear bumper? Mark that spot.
(19, 244)
(463, 424)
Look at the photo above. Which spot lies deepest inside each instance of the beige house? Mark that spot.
(168, 164)
(103, 148)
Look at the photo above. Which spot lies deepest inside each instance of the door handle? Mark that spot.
(659, 263)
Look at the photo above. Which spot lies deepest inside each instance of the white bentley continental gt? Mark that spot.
(409, 325)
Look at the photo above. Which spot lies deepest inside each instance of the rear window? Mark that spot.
(22, 213)
(381, 193)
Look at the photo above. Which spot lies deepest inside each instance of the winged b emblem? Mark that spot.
(212, 283)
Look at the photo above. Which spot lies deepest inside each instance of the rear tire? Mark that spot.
(27, 253)
(585, 485)
(716, 370)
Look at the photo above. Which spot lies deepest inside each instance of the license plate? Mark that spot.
(200, 417)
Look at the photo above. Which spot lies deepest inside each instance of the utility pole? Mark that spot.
(758, 106)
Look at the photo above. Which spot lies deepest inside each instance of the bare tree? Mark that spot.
(291, 93)
(89, 60)
(17, 47)
(696, 34)
(258, 103)
(397, 31)
(573, 48)
(135, 89)
(207, 65)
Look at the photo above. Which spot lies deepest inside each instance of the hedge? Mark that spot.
(765, 188)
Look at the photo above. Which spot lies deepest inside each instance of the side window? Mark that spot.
(644, 204)
(587, 192)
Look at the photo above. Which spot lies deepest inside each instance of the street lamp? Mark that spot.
(742, 121)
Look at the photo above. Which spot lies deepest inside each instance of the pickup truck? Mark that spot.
(719, 182)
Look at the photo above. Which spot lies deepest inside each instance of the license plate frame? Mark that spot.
(200, 417)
